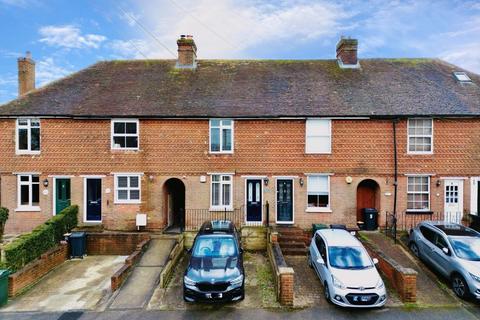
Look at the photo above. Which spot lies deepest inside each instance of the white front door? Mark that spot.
(453, 201)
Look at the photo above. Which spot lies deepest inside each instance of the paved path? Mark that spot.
(138, 289)
(332, 313)
(428, 289)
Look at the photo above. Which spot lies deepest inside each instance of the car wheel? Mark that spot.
(327, 293)
(310, 263)
(414, 249)
(459, 286)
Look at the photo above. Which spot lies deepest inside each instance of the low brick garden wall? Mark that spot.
(35, 270)
(120, 244)
(122, 274)
(284, 275)
(404, 280)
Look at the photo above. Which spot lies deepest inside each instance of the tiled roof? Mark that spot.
(255, 88)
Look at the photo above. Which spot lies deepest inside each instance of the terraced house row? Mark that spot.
(184, 140)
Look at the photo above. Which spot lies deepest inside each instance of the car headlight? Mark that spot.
(237, 281)
(188, 282)
(380, 284)
(337, 283)
(476, 278)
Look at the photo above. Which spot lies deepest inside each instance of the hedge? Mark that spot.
(3, 219)
(30, 246)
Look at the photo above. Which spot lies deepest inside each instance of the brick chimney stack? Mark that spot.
(187, 52)
(347, 53)
(26, 74)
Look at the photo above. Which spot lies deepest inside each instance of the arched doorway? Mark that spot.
(174, 204)
(368, 196)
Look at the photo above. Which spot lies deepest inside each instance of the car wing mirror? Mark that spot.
(375, 261)
(320, 260)
(446, 251)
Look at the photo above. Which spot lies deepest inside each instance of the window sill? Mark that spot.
(125, 149)
(27, 153)
(227, 209)
(419, 212)
(28, 209)
(413, 153)
(320, 153)
(220, 152)
(127, 202)
(317, 210)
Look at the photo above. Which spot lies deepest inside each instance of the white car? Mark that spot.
(345, 269)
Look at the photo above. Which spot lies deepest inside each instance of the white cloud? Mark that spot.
(69, 36)
(128, 49)
(466, 56)
(229, 28)
(48, 70)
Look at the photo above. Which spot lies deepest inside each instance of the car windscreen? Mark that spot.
(467, 248)
(349, 258)
(214, 247)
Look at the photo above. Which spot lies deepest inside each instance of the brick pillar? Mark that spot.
(287, 283)
(187, 52)
(409, 287)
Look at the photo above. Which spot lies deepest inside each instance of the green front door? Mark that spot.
(62, 191)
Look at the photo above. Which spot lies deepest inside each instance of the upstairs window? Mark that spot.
(418, 193)
(221, 136)
(28, 136)
(125, 134)
(127, 189)
(318, 136)
(221, 192)
(318, 193)
(28, 192)
(420, 136)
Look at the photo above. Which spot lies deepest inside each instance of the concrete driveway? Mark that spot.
(81, 284)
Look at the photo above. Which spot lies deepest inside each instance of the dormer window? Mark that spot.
(462, 77)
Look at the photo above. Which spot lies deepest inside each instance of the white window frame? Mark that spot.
(419, 136)
(28, 127)
(473, 195)
(320, 209)
(112, 134)
(307, 151)
(30, 184)
(221, 182)
(221, 127)
(420, 192)
(128, 188)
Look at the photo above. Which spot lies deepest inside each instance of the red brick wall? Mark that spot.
(179, 148)
(114, 243)
(35, 270)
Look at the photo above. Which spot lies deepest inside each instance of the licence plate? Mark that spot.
(214, 295)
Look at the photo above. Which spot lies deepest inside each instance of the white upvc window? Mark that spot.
(318, 136)
(418, 193)
(318, 193)
(28, 192)
(125, 134)
(28, 136)
(221, 136)
(221, 192)
(128, 188)
(420, 136)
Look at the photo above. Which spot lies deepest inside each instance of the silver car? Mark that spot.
(453, 250)
(345, 269)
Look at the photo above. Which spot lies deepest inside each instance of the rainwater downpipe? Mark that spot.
(395, 179)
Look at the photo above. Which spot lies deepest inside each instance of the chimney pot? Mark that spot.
(187, 52)
(26, 74)
(347, 52)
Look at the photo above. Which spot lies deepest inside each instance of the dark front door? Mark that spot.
(94, 199)
(254, 200)
(62, 194)
(284, 201)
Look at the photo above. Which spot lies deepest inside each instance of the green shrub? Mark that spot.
(30, 246)
(3, 220)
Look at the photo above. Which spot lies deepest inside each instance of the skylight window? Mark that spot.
(462, 77)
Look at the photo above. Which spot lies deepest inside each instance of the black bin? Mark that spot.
(78, 244)
(370, 219)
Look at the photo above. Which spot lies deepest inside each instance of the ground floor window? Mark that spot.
(127, 188)
(418, 193)
(318, 192)
(221, 192)
(28, 191)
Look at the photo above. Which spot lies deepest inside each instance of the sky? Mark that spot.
(67, 36)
